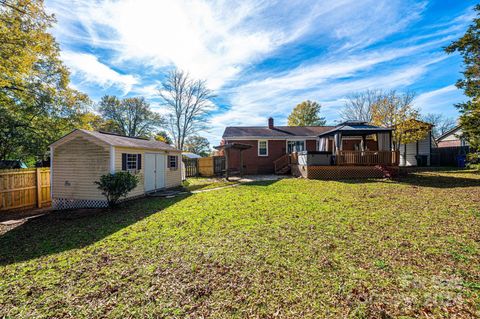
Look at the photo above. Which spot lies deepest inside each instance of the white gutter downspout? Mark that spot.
(51, 174)
(112, 159)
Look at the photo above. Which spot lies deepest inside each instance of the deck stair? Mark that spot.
(282, 165)
(388, 172)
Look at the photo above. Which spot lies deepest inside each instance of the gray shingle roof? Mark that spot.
(126, 141)
(352, 128)
(277, 131)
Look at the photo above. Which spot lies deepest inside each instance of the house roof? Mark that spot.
(355, 128)
(122, 141)
(277, 131)
(453, 130)
(190, 155)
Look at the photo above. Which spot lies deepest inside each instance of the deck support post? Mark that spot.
(226, 162)
(241, 163)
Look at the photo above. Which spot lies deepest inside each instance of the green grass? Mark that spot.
(204, 183)
(292, 249)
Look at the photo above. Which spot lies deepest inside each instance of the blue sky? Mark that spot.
(264, 57)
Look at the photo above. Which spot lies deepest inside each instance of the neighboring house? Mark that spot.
(265, 148)
(452, 138)
(81, 157)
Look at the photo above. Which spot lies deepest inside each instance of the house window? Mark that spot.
(295, 146)
(263, 148)
(172, 162)
(132, 161)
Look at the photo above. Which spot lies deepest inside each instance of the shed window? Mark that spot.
(172, 162)
(263, 148)
(131, 162)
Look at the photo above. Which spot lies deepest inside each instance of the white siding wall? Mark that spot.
(173, 178)
(409, 151)
(76, 165)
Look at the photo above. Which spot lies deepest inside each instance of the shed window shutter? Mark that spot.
(124, 161)
(168, 161)
(139, 161)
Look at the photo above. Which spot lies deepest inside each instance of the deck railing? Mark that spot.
(390, 158)
(281, 162)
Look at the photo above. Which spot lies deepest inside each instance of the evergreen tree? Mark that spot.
(469, 47)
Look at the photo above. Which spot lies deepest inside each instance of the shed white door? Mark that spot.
(160, 171)
(154, 171)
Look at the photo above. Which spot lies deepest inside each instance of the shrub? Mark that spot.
(115, 186)
(474, 160)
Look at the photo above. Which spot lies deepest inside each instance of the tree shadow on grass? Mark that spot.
(439, 181)
(72, 229)
(424, 180)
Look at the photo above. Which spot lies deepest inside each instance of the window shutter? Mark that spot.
(139, 161)
(168, 161)
(124, 161)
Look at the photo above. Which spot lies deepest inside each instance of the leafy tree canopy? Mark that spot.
(197, 145)
(129, 116)
(396, 110)
(469, 47)
(36, 104)
(306, 113)
(162, 136)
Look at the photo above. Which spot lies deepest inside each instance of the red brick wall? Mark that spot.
(311, 145)
(254, 164)
(453, 143)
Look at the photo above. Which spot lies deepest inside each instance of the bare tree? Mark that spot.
(441, 124)
(188, 102)
(358, 106)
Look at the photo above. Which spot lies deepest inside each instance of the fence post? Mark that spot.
(39, 188)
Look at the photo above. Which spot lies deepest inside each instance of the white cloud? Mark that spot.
(91, 70)
(440, 100)
(223, 41)
(216, 40)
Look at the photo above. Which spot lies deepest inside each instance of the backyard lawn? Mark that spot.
(292, 248)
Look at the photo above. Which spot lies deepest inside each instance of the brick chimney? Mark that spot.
(270, 122)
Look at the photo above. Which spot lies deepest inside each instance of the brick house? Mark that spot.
(269, 144)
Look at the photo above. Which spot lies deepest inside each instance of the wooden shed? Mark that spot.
(81, 157)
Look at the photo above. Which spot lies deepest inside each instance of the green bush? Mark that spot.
(115, 186)
(474, 161)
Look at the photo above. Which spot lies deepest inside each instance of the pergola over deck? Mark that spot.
(226, 150)
(384, 154)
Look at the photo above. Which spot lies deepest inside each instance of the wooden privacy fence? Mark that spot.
(205, 166)
(447, 156)
(24, 188)
(191, 167)
(211, 166)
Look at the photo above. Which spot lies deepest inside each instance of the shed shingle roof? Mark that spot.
(126, 141)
